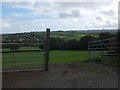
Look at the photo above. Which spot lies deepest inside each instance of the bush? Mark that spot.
(105, 35)
(14, 47)
(11, 46)
(84, 42)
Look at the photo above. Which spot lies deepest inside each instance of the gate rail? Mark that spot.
(103, 48)
(44, 51)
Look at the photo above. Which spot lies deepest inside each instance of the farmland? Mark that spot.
(35, 59)
(66, 47)
(67, 56)
(70, 35)
(67, 67)
(35, 36)
(27, 59)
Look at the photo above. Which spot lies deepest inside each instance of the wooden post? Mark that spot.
(89, 49)
(47, 48)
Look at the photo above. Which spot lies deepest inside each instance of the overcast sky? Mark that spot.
(37, 16)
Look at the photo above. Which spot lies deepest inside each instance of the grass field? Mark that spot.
(75, 36)
(57, 57)
(67, 38)
(22, 59)
(26, 59)
(23, 48)
(107, 60)
(31, 59)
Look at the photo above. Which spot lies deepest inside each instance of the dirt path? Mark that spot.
(80, 75)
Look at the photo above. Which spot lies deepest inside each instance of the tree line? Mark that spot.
(81, 44)
(57, 43)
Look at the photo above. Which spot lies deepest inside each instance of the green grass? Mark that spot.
(23, 48)
(30, 59)
(107, 60)
(67, 38)
(71, 37)
(58, 36)
(76, 36)
(111, 61)
(22, 59)
(57, 57)
(26, 59)
(29, 48)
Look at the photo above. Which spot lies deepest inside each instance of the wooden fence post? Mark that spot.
(47, 42)
(89, 49)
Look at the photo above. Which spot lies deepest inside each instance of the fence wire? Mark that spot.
(24, 55)
(107, 48)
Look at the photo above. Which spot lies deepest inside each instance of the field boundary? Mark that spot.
(45, 55)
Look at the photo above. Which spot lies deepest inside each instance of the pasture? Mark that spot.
(67, 38)
(36, 58)
(71, 35)
(28, 59)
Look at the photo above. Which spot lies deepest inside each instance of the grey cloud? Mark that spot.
(110, 12)
(73, 13)
(110, 24)
(99, 18)
(107, 24)
(113, 25)
(82, 4)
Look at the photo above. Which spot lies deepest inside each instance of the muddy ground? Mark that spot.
(78, 75)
